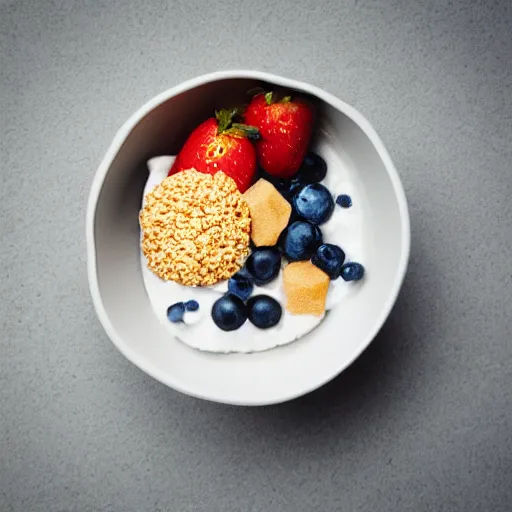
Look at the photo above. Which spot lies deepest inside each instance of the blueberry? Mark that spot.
(282, 184)
(344, 201)
(283, 187)
(329, 258)
(288, 188)
(300, 240)
(264, 311)
(291, 189)
(229, 312)
(240, 285)
(175, 312)
(192, 305)
(352, 271)
(313, 169)
(295, 187)
(243, 271)
(314, 202)
(264, 264)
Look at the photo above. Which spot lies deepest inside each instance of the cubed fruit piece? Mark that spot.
(270, 213)
(305, 287)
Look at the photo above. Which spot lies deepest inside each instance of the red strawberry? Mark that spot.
(218, 144)
(285, 127)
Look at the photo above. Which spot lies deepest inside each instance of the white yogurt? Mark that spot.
(199, 330)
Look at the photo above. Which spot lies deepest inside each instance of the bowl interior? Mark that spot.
(258, 378)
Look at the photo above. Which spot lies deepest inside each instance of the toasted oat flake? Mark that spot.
(195, 228)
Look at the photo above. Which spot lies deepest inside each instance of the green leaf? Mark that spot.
(251, 132)
(225, 118)
(268, 98)
(286, 99)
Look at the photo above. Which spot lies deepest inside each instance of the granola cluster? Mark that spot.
(195, 228)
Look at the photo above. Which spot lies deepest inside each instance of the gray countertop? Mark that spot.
(421, 422)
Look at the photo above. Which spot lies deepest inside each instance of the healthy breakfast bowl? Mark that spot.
(261, 281)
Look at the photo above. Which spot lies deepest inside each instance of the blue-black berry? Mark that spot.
(314, 203)
(313, 169)
(300, 240)
(264, 264)
(344, 201)
(192, 305)
(352, 271)
(240, 285)
(175, 312)
(264, 311)
(229, 312)
(329, 258)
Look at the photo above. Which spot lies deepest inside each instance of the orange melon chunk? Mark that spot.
(270, 212)
(305, 287)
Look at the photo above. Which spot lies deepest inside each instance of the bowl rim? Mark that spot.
(112, 151)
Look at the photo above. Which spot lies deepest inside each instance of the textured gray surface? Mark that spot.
(422, 422)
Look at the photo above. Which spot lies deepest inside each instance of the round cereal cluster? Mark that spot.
(195, 228)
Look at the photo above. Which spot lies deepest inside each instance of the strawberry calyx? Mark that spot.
(225, 118)
(244, 130)
(226, 125)
(271, 97)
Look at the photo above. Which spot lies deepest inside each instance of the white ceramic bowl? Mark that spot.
(160, 127)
